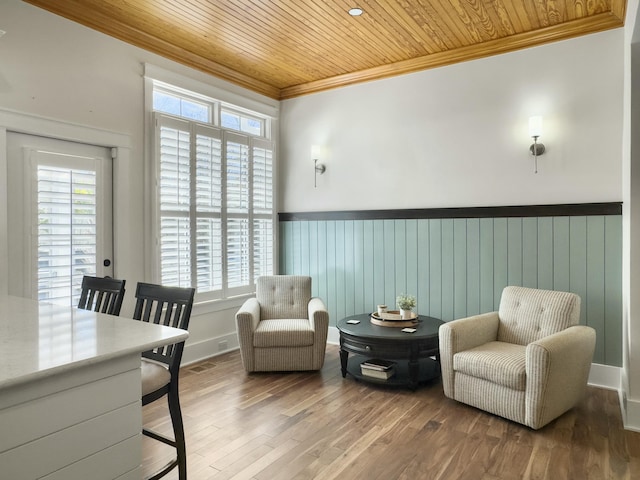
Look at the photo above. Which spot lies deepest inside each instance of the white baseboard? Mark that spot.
(208, 348)
(604, 376)
(333, 338)
(631, 415)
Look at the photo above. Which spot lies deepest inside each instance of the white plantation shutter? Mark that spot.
(208, 193)
(263, 247)
(216, 207)
(238, 253)
(174, 198)
(262, 208)
(66, 205)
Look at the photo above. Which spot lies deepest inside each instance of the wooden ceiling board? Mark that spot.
(252, 45)
(551, 34)
(286, 48)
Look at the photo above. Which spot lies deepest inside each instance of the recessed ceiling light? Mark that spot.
(2, 32)
(355, 12)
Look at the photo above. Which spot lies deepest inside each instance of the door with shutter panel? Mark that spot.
(60, 199)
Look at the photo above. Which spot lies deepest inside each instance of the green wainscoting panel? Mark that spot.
(457, 267)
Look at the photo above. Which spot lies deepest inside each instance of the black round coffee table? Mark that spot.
(411, 352)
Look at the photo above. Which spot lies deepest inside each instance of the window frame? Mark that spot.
(243, 114)
(212, 110)
(226, 294)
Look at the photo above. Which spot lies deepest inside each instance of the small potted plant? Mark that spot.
(406, 303)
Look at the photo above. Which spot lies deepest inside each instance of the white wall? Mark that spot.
(90, 84)
(458, 135)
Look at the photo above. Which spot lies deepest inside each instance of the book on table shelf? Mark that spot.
(375, 368)
(378, 364)
(379, 374)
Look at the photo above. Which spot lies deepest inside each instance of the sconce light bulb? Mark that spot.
(535, 126)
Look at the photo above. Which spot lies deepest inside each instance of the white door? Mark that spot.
(60, 216)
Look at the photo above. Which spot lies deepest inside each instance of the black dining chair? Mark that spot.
(169, 306)
(102, 294)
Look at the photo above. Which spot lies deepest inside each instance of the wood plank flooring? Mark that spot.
(317, 425)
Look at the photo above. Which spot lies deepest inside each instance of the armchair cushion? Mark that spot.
(498, 362)
(283, 333)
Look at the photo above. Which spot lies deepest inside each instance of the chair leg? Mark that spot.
(178, 431)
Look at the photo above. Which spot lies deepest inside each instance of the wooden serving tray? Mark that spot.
(393, 319)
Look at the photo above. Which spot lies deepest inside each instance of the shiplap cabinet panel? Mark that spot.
(33, 419)
(73, 444)
(458, 267)
(101, 466)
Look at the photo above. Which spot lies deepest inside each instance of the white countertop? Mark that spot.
(40, 339)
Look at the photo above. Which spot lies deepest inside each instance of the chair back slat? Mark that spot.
(168, 306)
(103, 295)
(110, 302)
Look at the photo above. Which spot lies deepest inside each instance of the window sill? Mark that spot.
(211, 306)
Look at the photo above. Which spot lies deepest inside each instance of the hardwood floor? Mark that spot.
(317, 425)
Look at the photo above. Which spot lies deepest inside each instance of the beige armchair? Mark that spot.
(528, 362)
(283, 328)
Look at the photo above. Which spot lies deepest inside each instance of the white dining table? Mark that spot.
(70, 391)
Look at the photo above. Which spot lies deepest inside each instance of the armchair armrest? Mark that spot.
(318, 314)
(247, 319)
(557, 369)
(319, 319)
(470, 332)
(249, 314)
(463, 334)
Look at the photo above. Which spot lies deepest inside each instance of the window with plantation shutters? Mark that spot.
(215, 215)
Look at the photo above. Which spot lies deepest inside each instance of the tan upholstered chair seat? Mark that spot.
(290, 332)
(498, 362)
(154, 376)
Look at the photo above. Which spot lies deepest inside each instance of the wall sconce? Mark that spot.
(319, 168)
(535, 131)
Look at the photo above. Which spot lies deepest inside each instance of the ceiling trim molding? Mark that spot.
(619, 9)
(565, 31)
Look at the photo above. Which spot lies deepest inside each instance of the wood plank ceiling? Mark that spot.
(287, 48)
